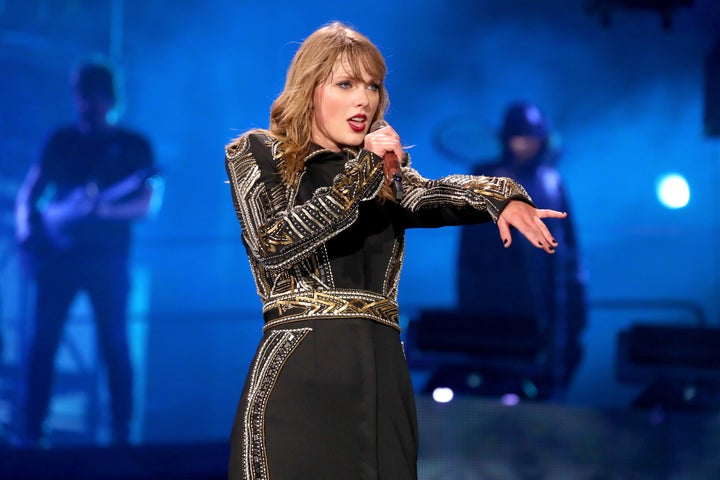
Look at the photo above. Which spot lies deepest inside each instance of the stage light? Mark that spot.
(474, 380)
(442, 394)
(672, 191)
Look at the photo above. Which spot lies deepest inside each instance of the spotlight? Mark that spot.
(442, 394)
(673, 191)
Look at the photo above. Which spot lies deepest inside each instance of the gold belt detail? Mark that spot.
(328, 305)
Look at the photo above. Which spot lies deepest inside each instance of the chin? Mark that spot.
(354, 140)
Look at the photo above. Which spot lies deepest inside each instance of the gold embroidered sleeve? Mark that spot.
(278, 233)
(482, 193)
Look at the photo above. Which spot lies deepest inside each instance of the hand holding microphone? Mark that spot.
(391, 161)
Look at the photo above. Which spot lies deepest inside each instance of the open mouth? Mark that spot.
(358, 123)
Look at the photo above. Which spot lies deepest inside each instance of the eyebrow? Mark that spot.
(344, 75)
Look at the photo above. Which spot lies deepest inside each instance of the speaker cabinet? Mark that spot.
(711, 114)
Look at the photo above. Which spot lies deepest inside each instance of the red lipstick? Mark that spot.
(357, 122)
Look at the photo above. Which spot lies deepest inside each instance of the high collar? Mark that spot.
(321, 154)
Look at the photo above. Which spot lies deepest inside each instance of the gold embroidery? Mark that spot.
(330, 304)
(272, 355)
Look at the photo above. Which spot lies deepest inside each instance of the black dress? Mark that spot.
(328, 394)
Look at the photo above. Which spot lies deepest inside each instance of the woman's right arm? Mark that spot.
(276, 233)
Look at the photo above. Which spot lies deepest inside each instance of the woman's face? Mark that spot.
(344, 108)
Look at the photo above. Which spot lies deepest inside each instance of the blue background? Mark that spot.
(626, 103)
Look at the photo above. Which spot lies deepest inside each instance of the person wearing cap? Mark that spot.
(551, 289)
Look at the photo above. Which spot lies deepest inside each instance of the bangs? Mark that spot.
(361, 58)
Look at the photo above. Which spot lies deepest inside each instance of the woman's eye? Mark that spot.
(345, 84)
(374, 87)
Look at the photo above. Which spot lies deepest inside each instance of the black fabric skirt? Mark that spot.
(326, 400)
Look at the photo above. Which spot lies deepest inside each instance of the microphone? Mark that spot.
(391, 164)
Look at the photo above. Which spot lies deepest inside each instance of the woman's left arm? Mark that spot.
(463, 199)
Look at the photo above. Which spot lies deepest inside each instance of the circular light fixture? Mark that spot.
(673, 191)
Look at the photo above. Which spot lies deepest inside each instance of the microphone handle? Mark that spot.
(392, 165)
(397, 186)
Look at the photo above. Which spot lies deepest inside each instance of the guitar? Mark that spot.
(52, 229)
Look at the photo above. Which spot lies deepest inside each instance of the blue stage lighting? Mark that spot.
(673, 191)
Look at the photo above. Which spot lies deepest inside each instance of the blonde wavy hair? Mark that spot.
(292, 112)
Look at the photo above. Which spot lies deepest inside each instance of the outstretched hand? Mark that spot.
(528, 221)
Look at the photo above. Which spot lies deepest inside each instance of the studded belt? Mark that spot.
(329, 304)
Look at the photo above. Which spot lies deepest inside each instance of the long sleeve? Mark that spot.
(276, 232)
(457, 199)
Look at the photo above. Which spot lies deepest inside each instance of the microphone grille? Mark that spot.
(378, 124)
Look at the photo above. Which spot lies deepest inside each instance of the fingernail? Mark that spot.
(505, 241)
(554, 241)
(540, 243)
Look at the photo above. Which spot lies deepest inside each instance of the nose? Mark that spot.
(362, 98)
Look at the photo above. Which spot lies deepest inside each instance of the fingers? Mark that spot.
(538, 235)
(384, 140)
(504, 229)
(546, 213)
(393, 141)
(546, 241)
(528, 221)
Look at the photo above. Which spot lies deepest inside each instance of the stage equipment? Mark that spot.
(486, 355)
(680, 365)
(711, 101)
(665, 8)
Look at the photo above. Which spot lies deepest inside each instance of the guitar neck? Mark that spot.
(125, 186)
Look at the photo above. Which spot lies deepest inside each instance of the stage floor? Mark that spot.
(467, 439)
